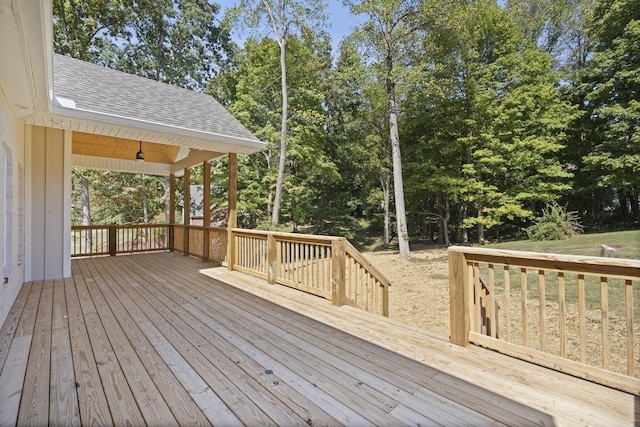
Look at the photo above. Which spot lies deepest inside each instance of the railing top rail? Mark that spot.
(355, 254)
(597, 266)
(105, 226)
(309, 238)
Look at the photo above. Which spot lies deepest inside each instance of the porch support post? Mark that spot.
(459, 295)
(172, 210)
(232, 221)
(206, 210)
(186, 218)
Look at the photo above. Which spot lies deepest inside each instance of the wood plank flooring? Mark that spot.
(163, 339)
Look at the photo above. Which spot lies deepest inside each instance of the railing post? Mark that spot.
(272, 259)
(385, 301)
(185, 251)
(231, 249)
(113, 235)
(205, 244)
(459, 298)
(338, 265)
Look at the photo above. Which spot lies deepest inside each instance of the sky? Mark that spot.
(340, 19)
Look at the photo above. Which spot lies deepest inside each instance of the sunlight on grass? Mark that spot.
(627, 243)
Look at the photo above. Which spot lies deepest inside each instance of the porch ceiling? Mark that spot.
(118, 154)
(122, 148)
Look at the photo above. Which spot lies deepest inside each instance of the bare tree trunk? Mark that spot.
(275, 214)
(480, 224)
(165, 187)
(294, 222)
(445, 222)
(385, 180)
(464, 234)
(145, 202)
(86, 212)
(398, 189)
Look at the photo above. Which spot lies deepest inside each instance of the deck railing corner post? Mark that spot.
(459, 298)
(338, 267)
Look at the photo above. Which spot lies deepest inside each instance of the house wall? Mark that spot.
(12, 208)
(49, 203)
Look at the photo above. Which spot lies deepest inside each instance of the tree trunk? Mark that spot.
(398, 188)
(635, 206)
(145, 202)
(463, 234)
(624, 206)
(275, 214)
(445, 222)
(480, 224)
(165, 186)
(294, 222)
(401, 217)
(385, 180)
(441, 224)
(86, 212)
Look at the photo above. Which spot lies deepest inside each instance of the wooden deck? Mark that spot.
(163, 339)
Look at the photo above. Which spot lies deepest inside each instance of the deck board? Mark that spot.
(161, 339)
(12, 377)
(34, 406)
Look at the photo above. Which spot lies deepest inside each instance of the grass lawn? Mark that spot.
(626, 242)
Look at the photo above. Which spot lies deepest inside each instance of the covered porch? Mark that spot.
(162, 339)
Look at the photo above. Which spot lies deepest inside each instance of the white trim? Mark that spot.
(66, 217)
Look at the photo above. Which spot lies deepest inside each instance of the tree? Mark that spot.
(173, 41)
(612, 102)
(388, 34)
(251, 90)
(283, 18)
(87, 29)
(486, 123)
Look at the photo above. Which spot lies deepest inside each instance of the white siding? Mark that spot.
(50, 203)
(12, 225)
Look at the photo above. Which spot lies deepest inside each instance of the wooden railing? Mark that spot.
(329, 267)
(325, 266)
(92, 240)
(574, 314)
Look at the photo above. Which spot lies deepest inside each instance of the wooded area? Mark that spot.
(489, 112)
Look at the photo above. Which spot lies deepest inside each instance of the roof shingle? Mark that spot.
(103, 90)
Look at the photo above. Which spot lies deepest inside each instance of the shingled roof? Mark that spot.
(93, 88)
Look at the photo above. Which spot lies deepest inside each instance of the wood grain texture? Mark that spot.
(235, 351)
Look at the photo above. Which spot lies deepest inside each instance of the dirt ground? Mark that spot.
(419, 294)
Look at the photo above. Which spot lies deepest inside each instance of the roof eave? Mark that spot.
(235, 144)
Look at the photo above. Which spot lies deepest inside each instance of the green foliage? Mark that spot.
(118, 197)
(556, 223)
(173, 41)
(504, 111)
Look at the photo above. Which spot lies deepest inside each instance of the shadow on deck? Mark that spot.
(163, 339)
